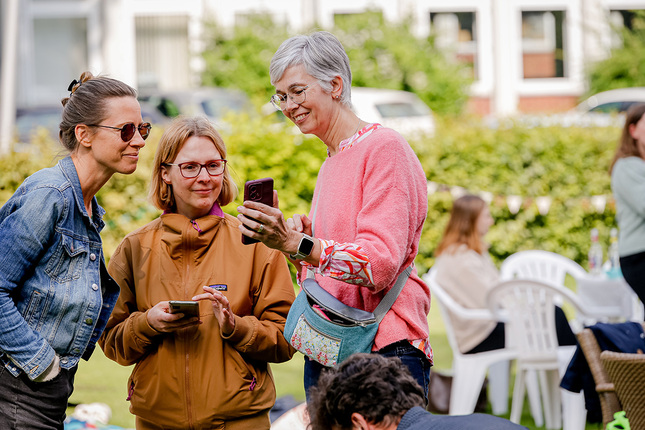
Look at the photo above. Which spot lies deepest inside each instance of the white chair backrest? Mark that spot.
(528, 307)
(541, 266)
(448, 305)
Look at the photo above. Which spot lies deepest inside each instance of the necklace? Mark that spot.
(357, 126)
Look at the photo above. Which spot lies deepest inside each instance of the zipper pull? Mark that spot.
(130, 392)
(196, 226)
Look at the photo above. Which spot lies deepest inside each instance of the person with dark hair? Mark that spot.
(466, 271)
(55, 292)
(210, 370)
(628, 186)
(372, 392)
(368, 209)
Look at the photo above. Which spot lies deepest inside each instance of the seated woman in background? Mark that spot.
(466, 271)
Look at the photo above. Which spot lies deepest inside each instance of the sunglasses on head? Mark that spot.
(127, 131)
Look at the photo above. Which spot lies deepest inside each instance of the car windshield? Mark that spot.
(400, 109)
(217, 107)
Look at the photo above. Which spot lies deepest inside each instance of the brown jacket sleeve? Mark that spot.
(128, 335)
(260, 336)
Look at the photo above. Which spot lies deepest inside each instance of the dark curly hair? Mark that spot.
(379, 388)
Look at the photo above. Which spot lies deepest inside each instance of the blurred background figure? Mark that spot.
(209, 371)
(466, 272)
(628, 186)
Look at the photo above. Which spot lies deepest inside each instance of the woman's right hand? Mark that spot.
(300, 223)
(160, 318)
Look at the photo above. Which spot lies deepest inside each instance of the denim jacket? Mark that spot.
(55, 293)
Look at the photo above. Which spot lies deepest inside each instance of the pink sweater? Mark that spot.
(374, 194)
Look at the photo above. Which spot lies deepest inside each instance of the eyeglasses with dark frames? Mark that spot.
(192, 169)
(297, 95)
(128, 130)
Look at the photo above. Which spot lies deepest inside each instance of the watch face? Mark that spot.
(306, 246)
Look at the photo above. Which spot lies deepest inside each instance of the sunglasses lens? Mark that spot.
(127, 132)
(144, 130)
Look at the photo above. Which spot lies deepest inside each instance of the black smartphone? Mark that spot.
(258, 190)
(188, 307)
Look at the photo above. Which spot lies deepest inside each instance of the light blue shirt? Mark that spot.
(628, 186)
(55, 293)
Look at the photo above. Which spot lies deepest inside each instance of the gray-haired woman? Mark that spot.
(55, 292)
(370, 199)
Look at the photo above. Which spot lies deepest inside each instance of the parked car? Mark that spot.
(211, 102)
(604, 109)
(401, 110)
(29, 120)
(613, 101)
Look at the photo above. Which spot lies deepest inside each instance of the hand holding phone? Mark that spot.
(258, 190)
(188, 307)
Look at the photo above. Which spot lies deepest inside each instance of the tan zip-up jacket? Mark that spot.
(195, 378)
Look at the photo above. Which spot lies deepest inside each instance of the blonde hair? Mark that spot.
(173, 139)
(462, 226)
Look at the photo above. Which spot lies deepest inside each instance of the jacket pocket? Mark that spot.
(66, 263)
(35, 308)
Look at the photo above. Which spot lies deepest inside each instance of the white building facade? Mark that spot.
(526, 55)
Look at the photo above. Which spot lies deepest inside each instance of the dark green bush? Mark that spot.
(567, 164)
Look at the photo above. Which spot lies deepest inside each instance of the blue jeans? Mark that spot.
(29, 405)
(411, 357)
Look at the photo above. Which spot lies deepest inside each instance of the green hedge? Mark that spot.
(567, 164)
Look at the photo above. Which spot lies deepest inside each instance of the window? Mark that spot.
(163, 54)
(543, 48)
(53, 68)
(455, 34)
(620, 20)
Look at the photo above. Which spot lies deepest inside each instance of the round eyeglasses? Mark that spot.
(297, 95)
(127, 131)
(192, 169)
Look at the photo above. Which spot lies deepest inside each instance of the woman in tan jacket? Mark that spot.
(209, 371)
(466, 271)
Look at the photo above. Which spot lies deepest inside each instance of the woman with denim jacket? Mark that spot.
(55, 292)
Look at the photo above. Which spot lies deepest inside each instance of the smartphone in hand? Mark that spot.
(258, 190)
(188, 307)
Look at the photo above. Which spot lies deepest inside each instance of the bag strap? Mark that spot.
(391, 296)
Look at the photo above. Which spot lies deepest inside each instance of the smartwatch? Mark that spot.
(305, 247)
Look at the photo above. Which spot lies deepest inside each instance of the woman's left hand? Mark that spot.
(268, 225)
(221, 309)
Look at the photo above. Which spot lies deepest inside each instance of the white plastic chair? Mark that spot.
(553, 268)
(469, 370)
(541, 266)
(528, 306)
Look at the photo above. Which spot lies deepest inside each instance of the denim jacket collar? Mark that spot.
(69, 170)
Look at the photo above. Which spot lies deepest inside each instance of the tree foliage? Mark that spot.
(624, 68)
(382, 55)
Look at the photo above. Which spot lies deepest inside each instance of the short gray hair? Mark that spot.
(323, 56)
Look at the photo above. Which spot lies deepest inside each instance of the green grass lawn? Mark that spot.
(102, 380)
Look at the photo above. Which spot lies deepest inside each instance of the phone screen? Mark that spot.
(189, 308)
